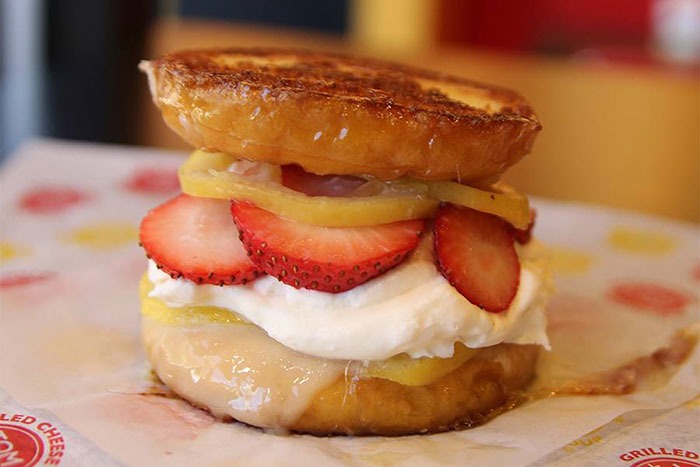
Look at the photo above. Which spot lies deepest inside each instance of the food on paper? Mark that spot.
(343, 259)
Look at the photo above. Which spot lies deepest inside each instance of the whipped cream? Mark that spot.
(411, 309)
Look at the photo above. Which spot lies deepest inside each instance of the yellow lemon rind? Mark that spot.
(205, 175)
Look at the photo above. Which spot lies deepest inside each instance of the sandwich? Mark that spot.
(343, 258)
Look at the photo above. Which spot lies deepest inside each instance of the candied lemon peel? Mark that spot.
(206, 174)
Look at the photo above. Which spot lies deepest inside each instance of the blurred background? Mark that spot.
(614, 82)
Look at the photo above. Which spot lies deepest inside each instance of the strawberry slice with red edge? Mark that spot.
(476, 253)
(328, 259)
(196, 238)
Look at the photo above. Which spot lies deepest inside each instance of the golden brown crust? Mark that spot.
(487, 383)
(337, 114)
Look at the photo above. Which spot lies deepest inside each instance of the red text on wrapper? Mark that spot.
(661, 457)
(26, 441)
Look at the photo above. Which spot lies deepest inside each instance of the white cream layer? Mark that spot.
(411, 309)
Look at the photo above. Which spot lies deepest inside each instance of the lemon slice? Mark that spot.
(209, 175)
(206, 174)
(501, 200)
(416, 371)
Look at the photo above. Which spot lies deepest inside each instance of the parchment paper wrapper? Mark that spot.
(70, 350)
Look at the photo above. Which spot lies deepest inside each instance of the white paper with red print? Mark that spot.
(69, 334)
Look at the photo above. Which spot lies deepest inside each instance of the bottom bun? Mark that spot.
(237, 372)
(484, 386)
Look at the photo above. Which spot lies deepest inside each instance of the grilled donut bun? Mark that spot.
(340, 115)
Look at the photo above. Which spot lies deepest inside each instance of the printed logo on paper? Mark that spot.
(660, 457)
(26, 441)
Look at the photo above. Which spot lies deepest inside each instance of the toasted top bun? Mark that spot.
(341, 115)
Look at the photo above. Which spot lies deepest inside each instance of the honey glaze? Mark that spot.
(155, 387)
(644, 372)
(236, 371)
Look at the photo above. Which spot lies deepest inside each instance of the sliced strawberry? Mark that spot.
(329, 259)
(476, 254)
(298, 179)
(195, 238)
(523, 236)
